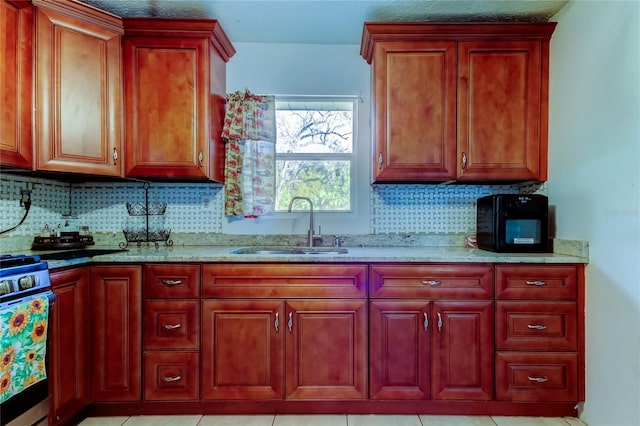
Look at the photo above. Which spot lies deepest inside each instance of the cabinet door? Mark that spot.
(502, 124)
(16, 78)
(400, 349)
(463, 350)
(68, 360)
(414, 111)
(326, 349)
(242, 349)
(166, 86)
(78, 90)
(116, 337)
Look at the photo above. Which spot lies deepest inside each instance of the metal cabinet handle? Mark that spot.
(538, 283)
(115, 156)
(200, 158)
(538, 379)
(432, 283)
(172, 379)
(464, 160)
(276, 323)
(439, 322)
(380, 161)
(172, 326)
(290, 323)
(171, 282)
(536, 326)
(426, 322)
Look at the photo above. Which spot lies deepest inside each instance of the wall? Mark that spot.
(594, 181)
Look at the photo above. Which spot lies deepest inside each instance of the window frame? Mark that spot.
(351, 157)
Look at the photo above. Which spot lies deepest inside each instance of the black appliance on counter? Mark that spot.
(513, 223)
(22, 279)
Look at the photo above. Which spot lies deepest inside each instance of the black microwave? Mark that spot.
(513, 223)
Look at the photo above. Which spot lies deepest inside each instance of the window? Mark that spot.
(315, 152)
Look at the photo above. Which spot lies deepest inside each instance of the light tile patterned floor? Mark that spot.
(330, 420)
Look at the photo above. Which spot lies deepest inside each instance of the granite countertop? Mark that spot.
(354, 254)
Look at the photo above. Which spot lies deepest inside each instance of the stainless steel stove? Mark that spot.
(23, 279)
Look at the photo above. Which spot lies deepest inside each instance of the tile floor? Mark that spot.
(330, 420)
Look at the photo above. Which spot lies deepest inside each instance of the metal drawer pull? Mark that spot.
(538, 379)
(537, 327)
(172, 326)
(171, 282)
(172, 379)
(276, 323)
(290, 323)
(431, 282)
(538, 283)
(426, 322)
(439, 322)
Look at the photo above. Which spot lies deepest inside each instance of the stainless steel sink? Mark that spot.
(289, 250)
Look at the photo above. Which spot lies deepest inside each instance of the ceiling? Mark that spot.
(326, 21)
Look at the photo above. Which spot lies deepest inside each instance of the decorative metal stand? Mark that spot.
(140, 235)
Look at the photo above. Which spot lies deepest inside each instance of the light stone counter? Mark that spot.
(185, 254)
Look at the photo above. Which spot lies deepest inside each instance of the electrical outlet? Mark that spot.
(25, 197)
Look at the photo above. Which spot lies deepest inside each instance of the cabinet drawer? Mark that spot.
(532, 377)
(171, 281)
(171, 376)
(171, 324)
(471, 281)
(536, 282)
(542, 326)
(284, 280)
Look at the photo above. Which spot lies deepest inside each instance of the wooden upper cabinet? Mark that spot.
(174, 77)
(500, 131)
(459, 101)
(78, 89)
(16, 79)
(415, 110)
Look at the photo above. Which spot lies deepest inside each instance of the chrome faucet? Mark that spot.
(311, 237)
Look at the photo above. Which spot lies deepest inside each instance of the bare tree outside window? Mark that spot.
(314, 152)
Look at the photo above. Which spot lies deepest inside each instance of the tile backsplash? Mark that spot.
(198, 207)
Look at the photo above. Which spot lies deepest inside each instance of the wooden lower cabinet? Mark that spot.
(431, 350)
(116, 333)
(400, 349)
(540, 333)
(463, 350)
(294, 349)
(69, 358)
(171, 358)
(242, 349)
(380, 338)
(326, 349)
